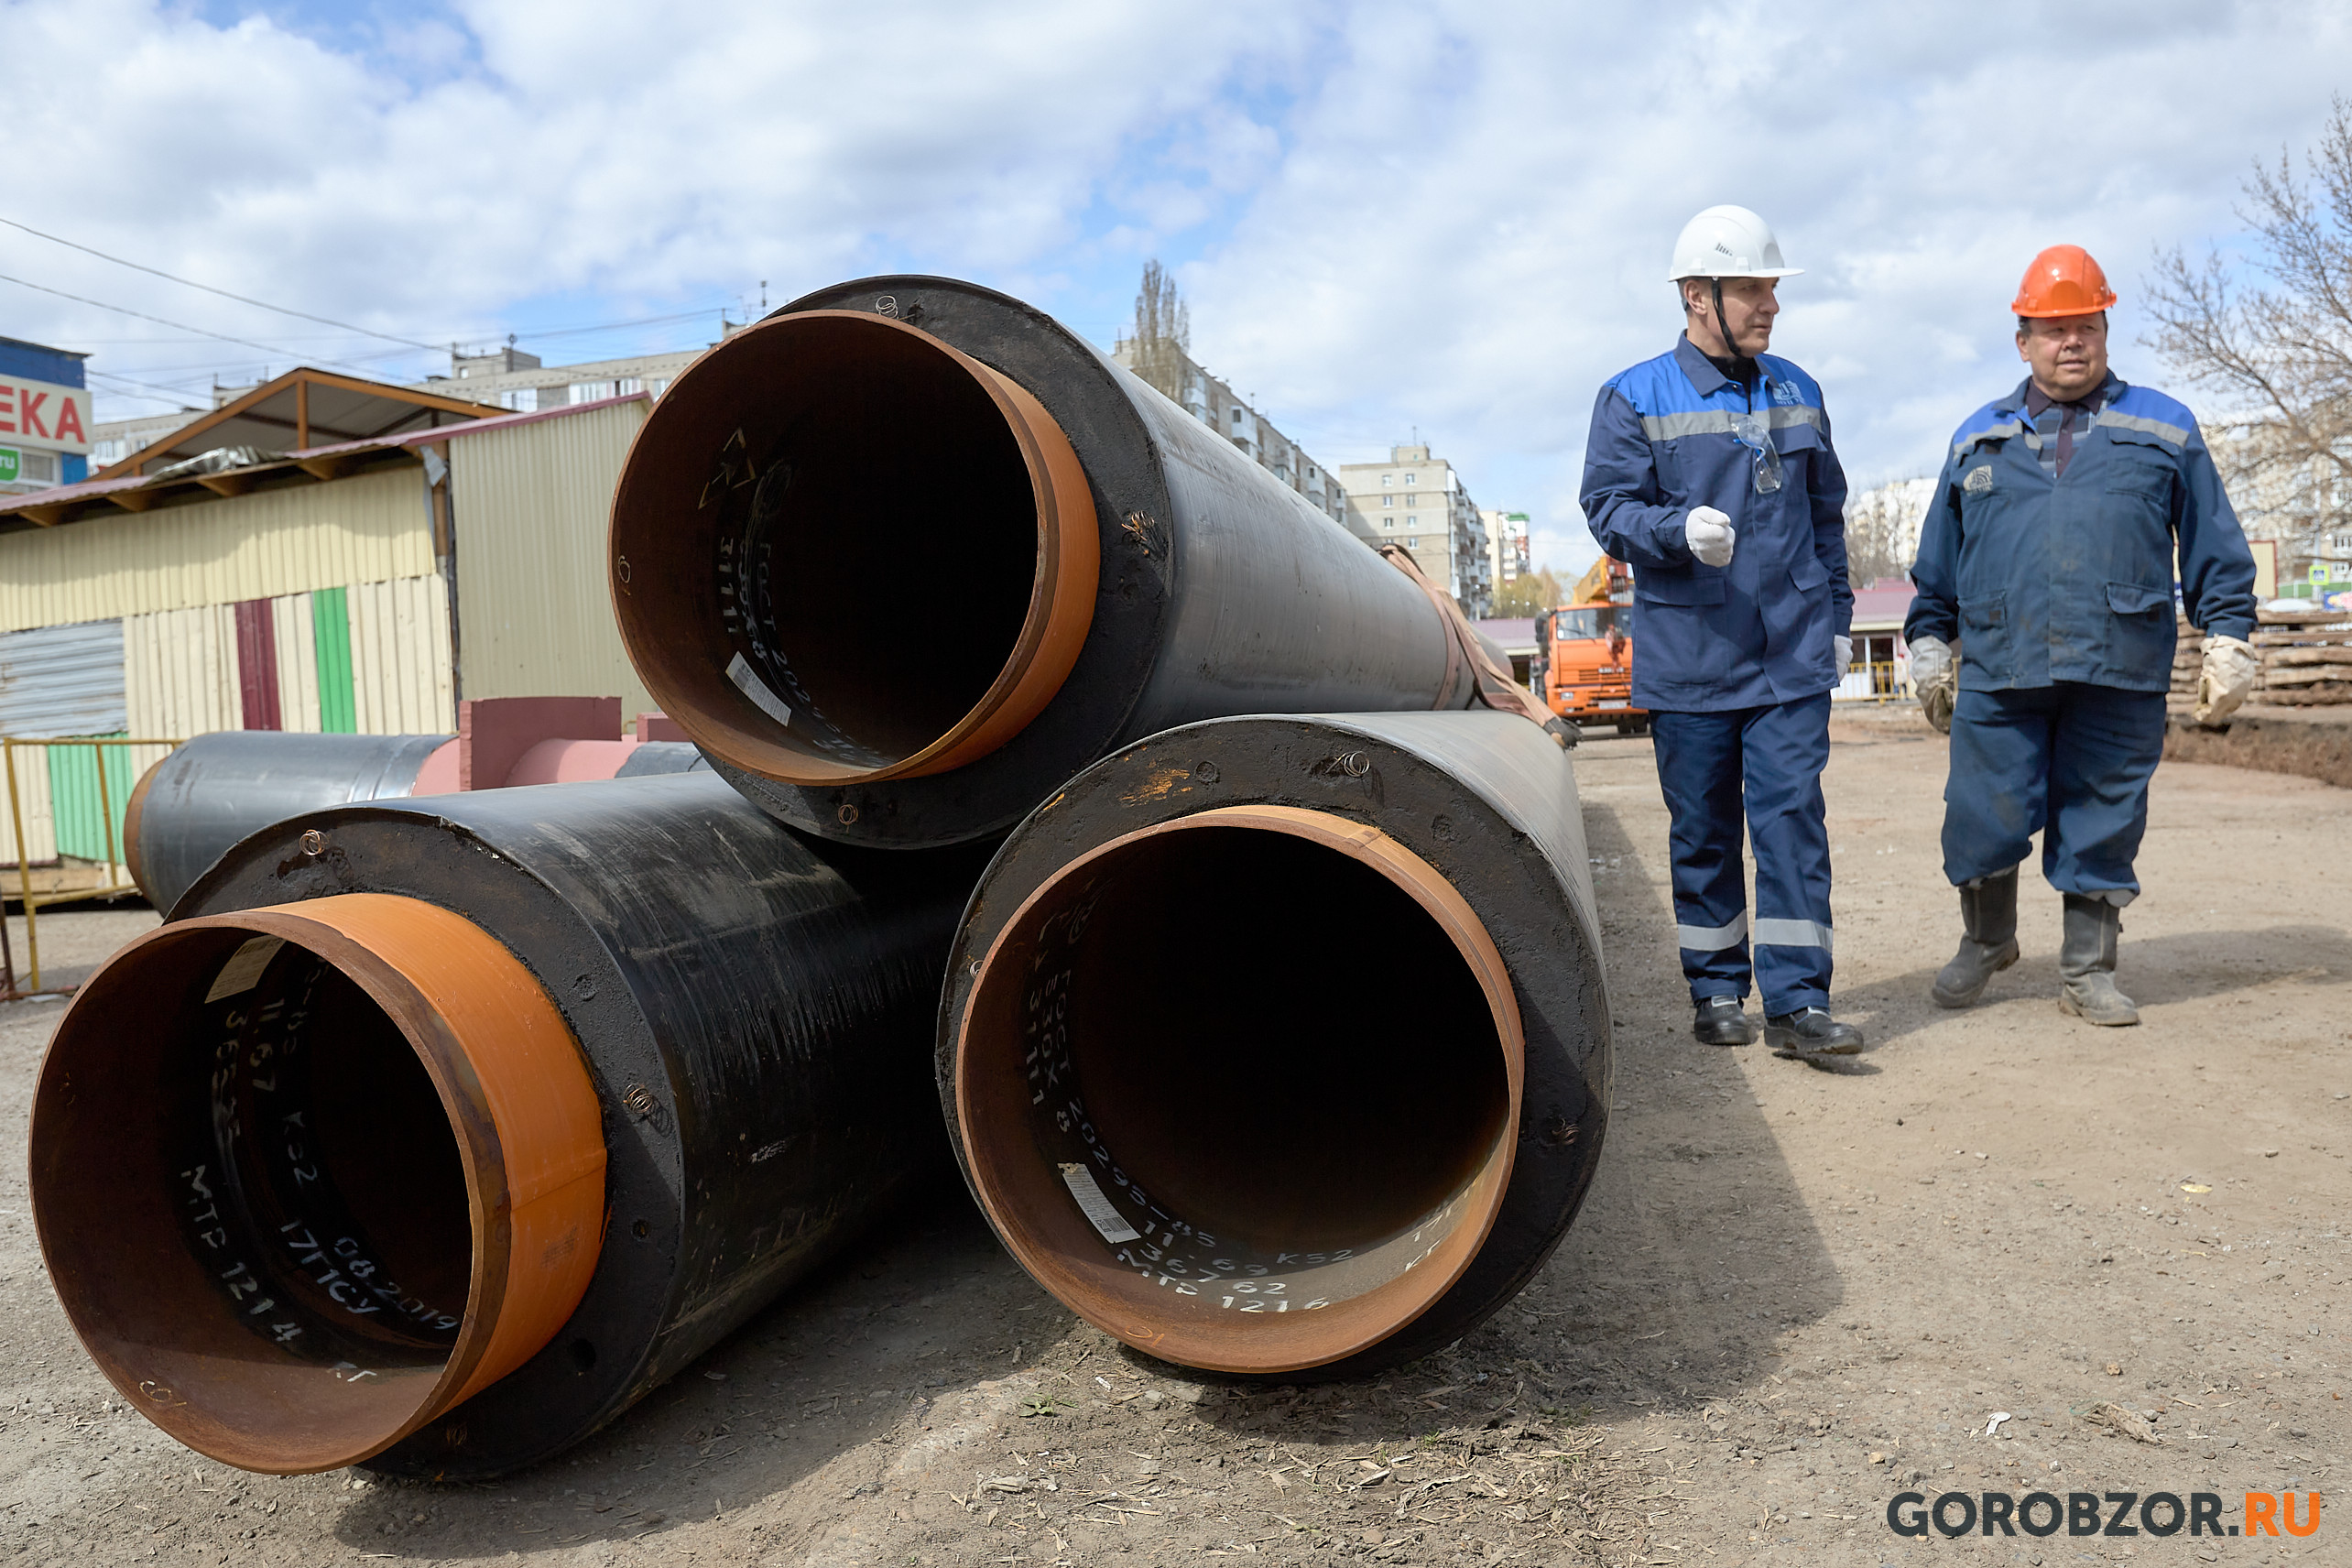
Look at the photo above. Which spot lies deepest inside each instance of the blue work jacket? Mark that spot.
(2042, 580)
(1756, 633)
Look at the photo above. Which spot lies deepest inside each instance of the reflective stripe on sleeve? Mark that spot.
(1992, 433)
(1699, 938)
(2157, 428)
(1792, 933)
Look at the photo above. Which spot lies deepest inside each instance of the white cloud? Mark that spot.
(1483, 270)
(1448, 215)
(599, 151)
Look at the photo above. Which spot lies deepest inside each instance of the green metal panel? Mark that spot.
(74, 798)
(331, 632)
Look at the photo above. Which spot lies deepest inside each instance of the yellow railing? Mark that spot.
(116, 880)
(1888, 683)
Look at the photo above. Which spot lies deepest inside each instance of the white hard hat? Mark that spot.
(1728, 242)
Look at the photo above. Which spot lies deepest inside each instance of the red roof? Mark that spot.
(1885, 603)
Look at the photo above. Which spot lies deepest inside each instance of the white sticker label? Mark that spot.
(1106, 1219)
(242, 973)
(748, 682)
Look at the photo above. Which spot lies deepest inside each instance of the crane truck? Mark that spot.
(1587, 648)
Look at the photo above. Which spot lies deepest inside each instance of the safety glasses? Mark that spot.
(1764, 459)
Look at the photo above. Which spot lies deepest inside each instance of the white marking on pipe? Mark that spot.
(1106, 1219)
(748, 682)
(242, 973)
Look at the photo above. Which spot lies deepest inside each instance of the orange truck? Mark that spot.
(1588, 670)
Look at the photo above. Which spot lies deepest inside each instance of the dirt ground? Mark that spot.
(1793, 1294)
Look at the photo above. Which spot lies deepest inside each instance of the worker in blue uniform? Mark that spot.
(2048, 555)
(1709, 471)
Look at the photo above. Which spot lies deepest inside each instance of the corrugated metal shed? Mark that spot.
(179, 672)
(297, 663)
(306, 592)
(400, 673)
(62, 680)
(89, 819)
(533, 506)
(31, 767)
(367, 528)
(372, 658)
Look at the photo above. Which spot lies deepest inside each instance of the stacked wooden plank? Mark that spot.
(2306, 658)
(2188, 659)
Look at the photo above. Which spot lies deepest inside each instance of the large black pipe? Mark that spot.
(751, 1008)
(1102, 565)
(1281, 1045)
(217, 788)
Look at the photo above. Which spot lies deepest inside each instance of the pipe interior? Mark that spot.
(890, 546)
(341, 1183)
(1275, 1042)
(261, 1222)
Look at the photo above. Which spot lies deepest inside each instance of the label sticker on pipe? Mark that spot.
(242, 973)
(748, 682)
(1106, 1219)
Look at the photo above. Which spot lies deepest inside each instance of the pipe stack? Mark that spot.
(1188, 864)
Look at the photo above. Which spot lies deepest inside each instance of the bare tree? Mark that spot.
(1882, 528)
(2280, 352)
(1162, 339)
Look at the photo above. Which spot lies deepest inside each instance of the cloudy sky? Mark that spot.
(1449, 218)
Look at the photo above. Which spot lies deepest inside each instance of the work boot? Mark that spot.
(2086, 963)
(1720, 1020)
(1988, 917)
(1810, 1032)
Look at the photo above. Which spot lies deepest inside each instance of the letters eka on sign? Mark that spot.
(1956, 1514)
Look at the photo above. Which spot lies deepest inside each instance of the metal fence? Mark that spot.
(1884, 681)
(72, 804)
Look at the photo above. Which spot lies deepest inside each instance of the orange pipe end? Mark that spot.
(762, 502)
(1225, 1154)
(307, 1176)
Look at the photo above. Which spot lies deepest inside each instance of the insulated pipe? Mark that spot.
(1278, 1045)
(424, 1138)
(364, 1179)
(1106, 566)
(204, 796)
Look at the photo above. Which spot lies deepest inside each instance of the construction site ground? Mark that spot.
(2001, 1251)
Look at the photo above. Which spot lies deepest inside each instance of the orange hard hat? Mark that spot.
(2063, 281)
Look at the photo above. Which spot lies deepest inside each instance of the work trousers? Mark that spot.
(1767, 761)
(2069, 761)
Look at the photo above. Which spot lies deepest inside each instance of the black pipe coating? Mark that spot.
(1241, 1036)
(1221, 590)
(754, 1009)
(218, 787)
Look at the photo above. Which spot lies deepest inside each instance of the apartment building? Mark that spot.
(1420, 502)
(1173, 372)
(1507, 546)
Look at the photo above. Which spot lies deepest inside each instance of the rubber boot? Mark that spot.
(1988, 917)
(2086, 963)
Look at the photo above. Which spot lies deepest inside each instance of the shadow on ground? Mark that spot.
(925, 1307)
(1693, 1254)
(2155, 971)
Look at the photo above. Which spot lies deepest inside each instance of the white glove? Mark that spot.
(1845, 657)
(1710, 534)
(1935, 679)
(2230, 666)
